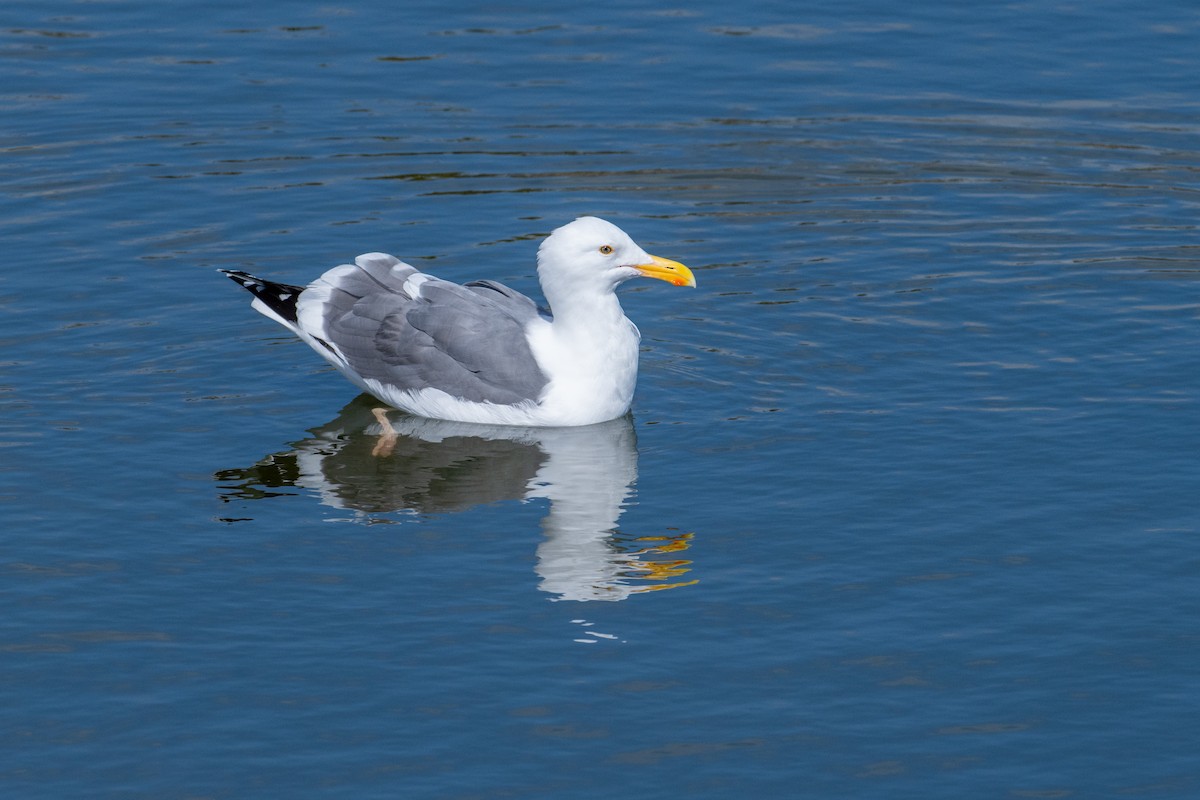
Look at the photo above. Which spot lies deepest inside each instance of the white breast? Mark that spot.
(592, 372)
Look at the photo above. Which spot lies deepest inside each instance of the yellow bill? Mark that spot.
(667, 270)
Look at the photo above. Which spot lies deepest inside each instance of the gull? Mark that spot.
(481, 352)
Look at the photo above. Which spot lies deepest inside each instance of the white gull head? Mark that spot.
(591, 256)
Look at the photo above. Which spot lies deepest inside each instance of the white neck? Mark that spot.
(584, 313)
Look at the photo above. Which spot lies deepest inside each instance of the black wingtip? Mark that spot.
(279, 297)
(239, 276)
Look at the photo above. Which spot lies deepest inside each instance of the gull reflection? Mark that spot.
(374, 462)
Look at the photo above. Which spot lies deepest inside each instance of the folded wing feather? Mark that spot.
(395, 325)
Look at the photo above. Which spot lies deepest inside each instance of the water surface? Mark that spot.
(906, 504)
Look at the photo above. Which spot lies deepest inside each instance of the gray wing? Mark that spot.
(395, 325)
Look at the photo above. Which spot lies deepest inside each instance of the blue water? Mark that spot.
(906, 505)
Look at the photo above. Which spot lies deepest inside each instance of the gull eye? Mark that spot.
(606, 249)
